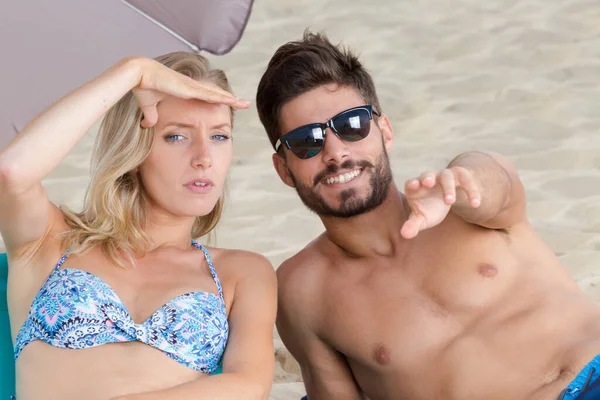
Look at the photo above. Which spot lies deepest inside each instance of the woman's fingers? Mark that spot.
(219, 98)
(150, 116)
(209, 92)
(161, 79)
(241, 104)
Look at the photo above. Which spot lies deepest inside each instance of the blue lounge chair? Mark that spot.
(7, 364)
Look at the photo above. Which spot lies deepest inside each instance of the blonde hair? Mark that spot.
(113, 215)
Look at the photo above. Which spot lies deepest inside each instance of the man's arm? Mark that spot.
(501, 191)
(325, 372)
(481, 188)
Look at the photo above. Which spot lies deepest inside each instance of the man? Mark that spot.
(443, 292)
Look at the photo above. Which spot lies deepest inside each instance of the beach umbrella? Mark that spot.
(48, 48)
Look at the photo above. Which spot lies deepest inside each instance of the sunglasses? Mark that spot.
(307, 141)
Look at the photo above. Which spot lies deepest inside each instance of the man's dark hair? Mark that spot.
(300, 66)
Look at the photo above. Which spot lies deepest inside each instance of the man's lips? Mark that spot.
(342, 177)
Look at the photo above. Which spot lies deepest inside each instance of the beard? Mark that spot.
(351, 204)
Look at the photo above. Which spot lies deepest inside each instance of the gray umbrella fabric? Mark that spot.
(49, 48)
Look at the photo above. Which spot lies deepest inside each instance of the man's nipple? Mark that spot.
(487, 270)
(382, 354)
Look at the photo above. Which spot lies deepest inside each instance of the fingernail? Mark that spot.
(476, 202)
(449, 197)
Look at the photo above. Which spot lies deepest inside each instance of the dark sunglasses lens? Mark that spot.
(306, 142)
(353, 126)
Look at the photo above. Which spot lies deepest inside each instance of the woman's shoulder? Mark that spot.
(240, 262)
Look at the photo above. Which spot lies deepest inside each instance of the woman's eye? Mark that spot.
(220, 137)
(174, 138)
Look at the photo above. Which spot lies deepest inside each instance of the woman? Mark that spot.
(118, 301)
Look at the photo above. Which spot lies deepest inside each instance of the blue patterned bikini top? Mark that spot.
(75, 309)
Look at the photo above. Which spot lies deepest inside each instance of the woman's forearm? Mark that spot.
(216, 387)
(48, 138)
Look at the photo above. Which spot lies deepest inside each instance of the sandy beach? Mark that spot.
(519, 77)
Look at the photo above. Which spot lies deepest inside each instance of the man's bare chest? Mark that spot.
(412, 309)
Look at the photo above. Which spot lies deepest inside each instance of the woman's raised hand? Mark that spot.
(158, 81)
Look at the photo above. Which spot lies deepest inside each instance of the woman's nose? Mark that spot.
(201, 158)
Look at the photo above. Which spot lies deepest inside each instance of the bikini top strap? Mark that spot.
(62, 260)
(59, 264)
(213, 272)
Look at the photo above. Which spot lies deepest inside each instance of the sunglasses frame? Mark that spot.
(324, 126)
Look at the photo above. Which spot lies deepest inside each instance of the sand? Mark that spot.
(519, 77)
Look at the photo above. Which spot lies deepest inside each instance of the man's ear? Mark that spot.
(282, 170)
(387, 132)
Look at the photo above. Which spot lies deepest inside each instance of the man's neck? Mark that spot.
(374, 233)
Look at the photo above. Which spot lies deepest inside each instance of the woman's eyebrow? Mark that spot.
(221, 126)
(185, 125)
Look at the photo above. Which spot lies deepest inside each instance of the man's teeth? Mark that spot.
(343, 178)
(200, 184)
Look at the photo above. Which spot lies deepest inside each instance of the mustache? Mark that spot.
(332, 169)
